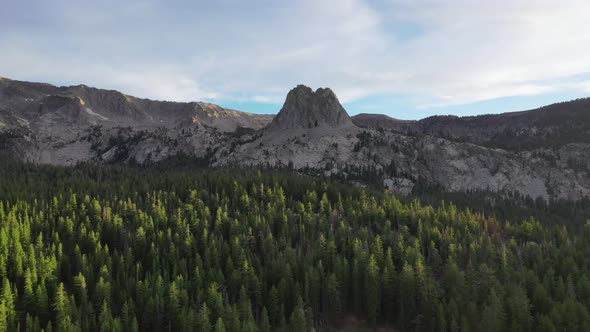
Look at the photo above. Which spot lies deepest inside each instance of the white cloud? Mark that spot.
(162, 85)
(483, 50)
(583, 86)
(163, 82)
(462, 51)
(264, 99)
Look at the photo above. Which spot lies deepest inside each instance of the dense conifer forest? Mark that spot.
(119, 248)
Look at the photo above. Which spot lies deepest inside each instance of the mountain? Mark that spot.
(305, 108)
(550, 126)
(380, 121)
(66, 125)
(84, 105)
(541, 153)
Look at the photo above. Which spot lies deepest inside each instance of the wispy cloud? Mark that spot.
(438, 52)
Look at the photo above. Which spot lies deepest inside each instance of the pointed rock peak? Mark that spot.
(305, 108)
(301, 89)
(325, 92)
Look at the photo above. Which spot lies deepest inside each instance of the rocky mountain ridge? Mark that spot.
(304, 109)
(542, 153)
(548, 126)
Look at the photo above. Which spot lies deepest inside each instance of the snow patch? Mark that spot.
(91, 112)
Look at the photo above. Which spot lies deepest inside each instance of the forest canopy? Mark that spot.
(118, 248)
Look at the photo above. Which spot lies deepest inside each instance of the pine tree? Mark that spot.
(407, 296)
(298, 321)
(493, 314)
(333, 298)
(3, 317)
(372, 291)
(235, 320)
(106, 318)
(219, 326)
(204, 322)
(388, 280)
(61, 308)
(264, 321)
(29, 293)
(274, 305)
(8, 302)
(42, 303)
(519, 310)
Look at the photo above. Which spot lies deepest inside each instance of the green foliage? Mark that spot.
(127, 249)
(298, 321)
(219, 326)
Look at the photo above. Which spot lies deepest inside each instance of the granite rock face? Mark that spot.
(66, 125)
(541, 153)
(549, 126)
(305, 108)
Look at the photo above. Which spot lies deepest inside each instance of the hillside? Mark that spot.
(540, 153)
(546, 127)
(118, 248)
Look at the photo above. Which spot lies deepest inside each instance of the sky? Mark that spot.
(405, 58)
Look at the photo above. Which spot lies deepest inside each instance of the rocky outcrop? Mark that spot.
(66, 125)
(228, 120)
(305, 108)
(109, 108)
(549, 126)
(381, 121)
(543, 153)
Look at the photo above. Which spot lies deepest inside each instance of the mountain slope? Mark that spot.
(542, 153)
(380, 121)
(305, 108)
(549, 126)
(111, 108)
(65, 125)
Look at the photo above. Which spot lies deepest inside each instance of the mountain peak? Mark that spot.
(304, 108)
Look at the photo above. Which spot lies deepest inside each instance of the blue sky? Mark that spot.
(405, 58)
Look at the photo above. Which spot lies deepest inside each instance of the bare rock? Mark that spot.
(305, 108)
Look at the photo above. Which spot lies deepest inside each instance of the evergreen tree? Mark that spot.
(264, 321)
(219, 326)
(298, 321)
(493, 314)
(127, 249)
(372, 290)
(3, 317)
(204, 322)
